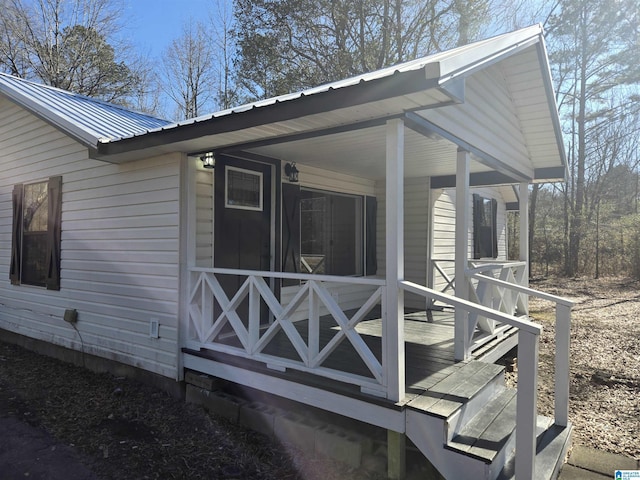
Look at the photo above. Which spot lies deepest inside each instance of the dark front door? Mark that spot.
(242, 238)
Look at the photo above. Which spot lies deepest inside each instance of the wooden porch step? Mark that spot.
(551, 451)
(490, 438)
(489, 431)
(454, 393)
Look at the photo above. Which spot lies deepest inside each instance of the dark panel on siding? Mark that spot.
(54, 233)
(16, 235)
(494, 227)
(477, 212)
(290, 230)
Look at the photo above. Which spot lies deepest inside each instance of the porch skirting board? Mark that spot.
(390, 417)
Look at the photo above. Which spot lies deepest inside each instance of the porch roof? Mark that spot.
(494, 98)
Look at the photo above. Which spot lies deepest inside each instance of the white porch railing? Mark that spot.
(528, 346)
(562, 339)
(496, 296)
(252, 331)
(484, 292)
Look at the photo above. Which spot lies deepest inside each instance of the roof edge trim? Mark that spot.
(550, 174)
(365, 92)
(460, 64)
(57, 121)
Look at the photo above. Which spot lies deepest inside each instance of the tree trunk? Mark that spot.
(576, 220)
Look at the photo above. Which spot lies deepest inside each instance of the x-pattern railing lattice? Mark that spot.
(495, 296)
(254, 338)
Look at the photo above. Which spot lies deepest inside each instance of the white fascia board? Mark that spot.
(543, 58)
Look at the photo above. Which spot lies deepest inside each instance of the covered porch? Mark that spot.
(347, 337)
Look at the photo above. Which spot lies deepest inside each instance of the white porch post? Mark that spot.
(524, 236)
(393, 326)
(461, 332)
(187, 253)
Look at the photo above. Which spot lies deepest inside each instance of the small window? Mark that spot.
(243, 189)
(485, 234)
(35, 246)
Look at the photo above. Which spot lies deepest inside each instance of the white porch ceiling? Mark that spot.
(362, 153)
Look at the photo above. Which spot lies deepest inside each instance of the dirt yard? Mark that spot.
(605, 360)
(128, 430)
(125, 430)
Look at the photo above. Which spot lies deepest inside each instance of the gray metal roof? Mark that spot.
(439, 68)
(88, 120)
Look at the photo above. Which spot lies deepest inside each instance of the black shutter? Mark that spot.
(494, 227)
(290, 230)
(16, 236)
(54, 233)
(371, 261)
(477, 221)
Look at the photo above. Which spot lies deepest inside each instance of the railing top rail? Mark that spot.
(293, 276)
(529, 291)
(493, 266)
(493, 261)
(524, 325)
(486, 263)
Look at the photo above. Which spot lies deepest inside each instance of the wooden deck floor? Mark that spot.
(429, 356)
(428, 347)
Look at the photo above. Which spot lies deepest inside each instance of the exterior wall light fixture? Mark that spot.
(291, 171)
(208, 160)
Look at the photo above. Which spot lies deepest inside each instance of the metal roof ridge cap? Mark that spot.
(450, 65)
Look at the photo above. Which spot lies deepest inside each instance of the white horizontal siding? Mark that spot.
(321, 179)
(416, 233)
(444, 236)
(487, 119)
(444, 217)
(120, 244)
(416, 230)
(416, 241)
(204, 218)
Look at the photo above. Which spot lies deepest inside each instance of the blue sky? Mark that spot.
(153, 24)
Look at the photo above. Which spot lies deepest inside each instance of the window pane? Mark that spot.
(34, 234)
(35, 207)
(34, 258)
(484, 227)
(244, 189)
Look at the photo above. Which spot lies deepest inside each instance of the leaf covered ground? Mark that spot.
(605, 360)
(125, 429)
